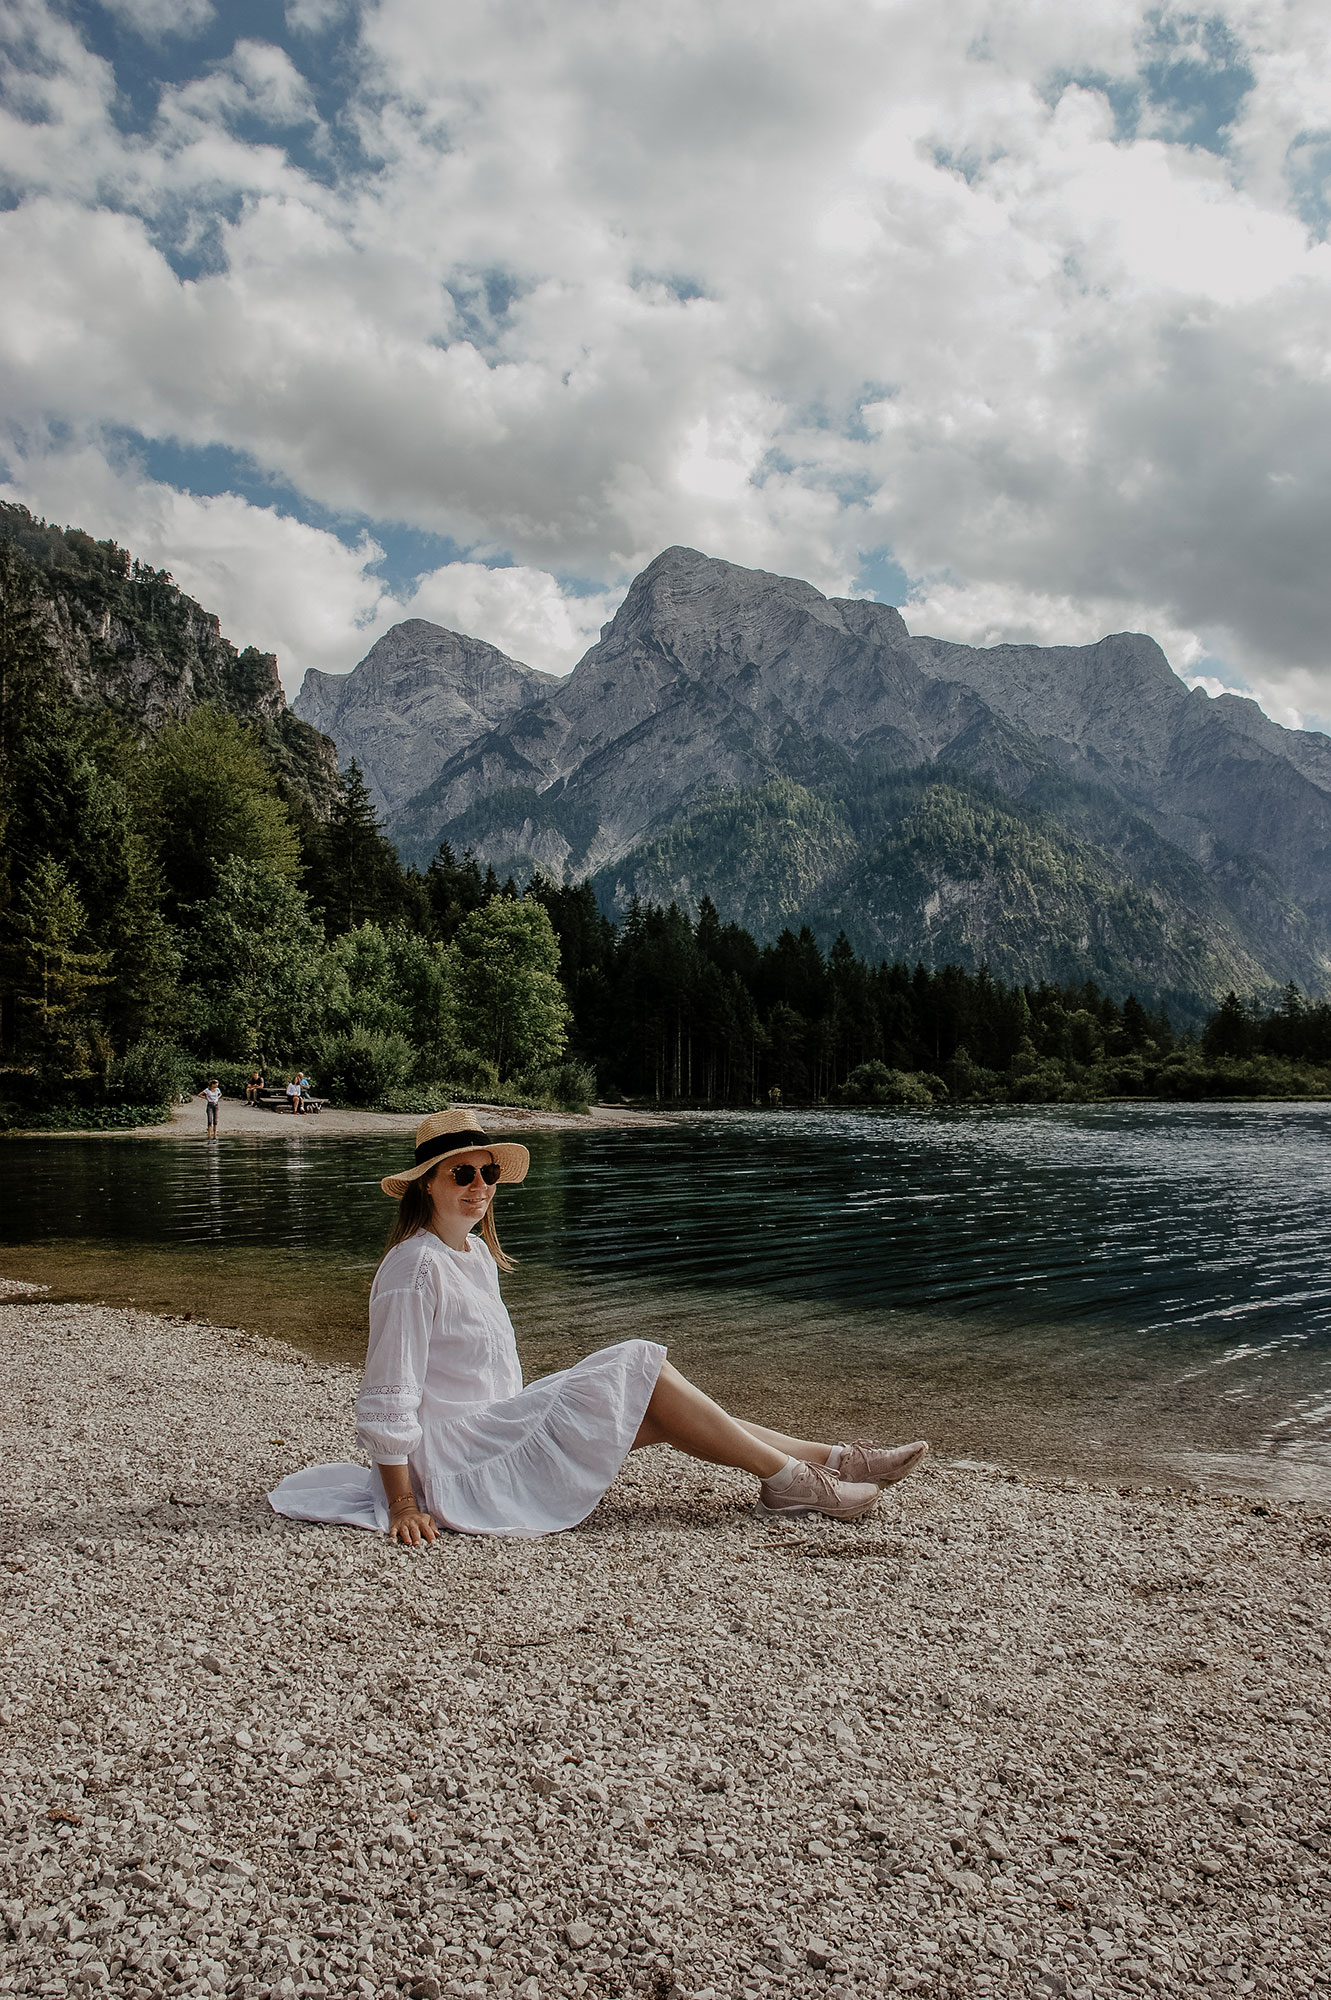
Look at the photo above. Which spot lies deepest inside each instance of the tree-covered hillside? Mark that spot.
(935, 865)
(186, 883)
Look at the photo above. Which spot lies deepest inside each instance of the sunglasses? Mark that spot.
(465, 1175)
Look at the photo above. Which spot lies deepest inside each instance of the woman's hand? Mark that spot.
(407, 1524)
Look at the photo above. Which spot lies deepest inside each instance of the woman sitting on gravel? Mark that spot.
(455, 1438)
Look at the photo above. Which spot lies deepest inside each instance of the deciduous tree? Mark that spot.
(503, 968)
(212, 799)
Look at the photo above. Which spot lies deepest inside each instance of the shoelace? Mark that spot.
(824, 1480)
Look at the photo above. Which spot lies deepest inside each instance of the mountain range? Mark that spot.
(1060, 812)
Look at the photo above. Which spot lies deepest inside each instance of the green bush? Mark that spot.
(968, 1080)
(1122, 1076)
(1044, 1081)
(566, 1086)
(152, 1070)
(425, 1098)
(93, 1118)
(420, 1101)
(875, 1083)
(472, 1076)
(233, 1076)
(361, 1066)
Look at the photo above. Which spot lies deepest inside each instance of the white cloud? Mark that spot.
(522, 611)
(782, 281)
(161, 17)
(257, 81)
(1212, 684)
(996, 615)
(315, 17)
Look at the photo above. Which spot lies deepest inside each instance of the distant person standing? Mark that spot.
(253, 1087)
(212, 1097)
(293, 1095)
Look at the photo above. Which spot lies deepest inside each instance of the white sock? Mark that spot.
(832, 1463)
(780, 1480)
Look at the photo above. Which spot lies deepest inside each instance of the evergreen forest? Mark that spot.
(198, 896)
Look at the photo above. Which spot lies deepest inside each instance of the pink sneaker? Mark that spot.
(881, 1465)
(811, 1490)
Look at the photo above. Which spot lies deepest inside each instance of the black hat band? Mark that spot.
(451, 1142)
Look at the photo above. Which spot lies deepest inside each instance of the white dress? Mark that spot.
(443, 1394)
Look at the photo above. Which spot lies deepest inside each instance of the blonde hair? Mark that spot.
(416, 1211)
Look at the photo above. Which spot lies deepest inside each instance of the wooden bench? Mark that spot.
(277, 1100)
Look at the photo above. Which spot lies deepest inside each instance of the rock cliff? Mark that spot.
(122, 637)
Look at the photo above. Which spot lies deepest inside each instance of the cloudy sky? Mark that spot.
(1014, 312)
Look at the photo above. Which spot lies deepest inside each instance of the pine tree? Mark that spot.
(1136, 1024)
(25, 686)
(455, 888)
(1231, 1030)
(24, 670)
(360, 871)
(50, 973)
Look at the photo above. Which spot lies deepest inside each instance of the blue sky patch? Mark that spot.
(481, 302)
(880, 575)
(682, 289)
(1308, 170)
(146, 66)
(1191, 83)
(1195, 77)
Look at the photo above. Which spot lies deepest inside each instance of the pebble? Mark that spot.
(1007, 1737)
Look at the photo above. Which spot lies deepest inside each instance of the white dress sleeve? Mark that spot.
(388, 1406)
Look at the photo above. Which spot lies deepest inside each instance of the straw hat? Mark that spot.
(445, 1133)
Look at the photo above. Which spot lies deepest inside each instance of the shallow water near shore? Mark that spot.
(1107, 1291)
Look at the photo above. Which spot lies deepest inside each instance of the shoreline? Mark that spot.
(1007, 1736)
(345, 1122)
(235, 1117)
(318, 1314)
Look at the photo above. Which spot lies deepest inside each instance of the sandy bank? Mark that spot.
(188, 1121)
(1005, 1737)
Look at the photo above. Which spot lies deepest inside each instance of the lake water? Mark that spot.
(1111, 1291)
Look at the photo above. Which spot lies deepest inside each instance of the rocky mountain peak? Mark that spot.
(421, 693)
(713, 616)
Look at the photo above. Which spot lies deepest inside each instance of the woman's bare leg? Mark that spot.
(681, 1415)
(805, 1448)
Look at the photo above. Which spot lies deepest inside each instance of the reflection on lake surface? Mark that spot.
(1112, 1290)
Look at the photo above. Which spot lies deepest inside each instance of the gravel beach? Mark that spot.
(1006, 1737)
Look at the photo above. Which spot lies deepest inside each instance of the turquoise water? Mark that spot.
(1108, 1290)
